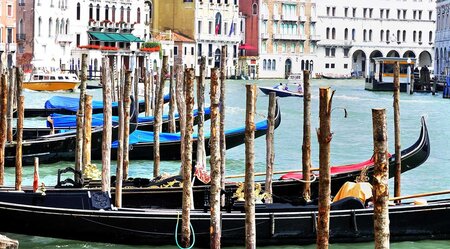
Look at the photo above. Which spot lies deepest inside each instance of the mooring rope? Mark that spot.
(176, 234)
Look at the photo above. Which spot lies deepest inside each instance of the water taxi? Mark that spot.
(382, 79)
(52, 82)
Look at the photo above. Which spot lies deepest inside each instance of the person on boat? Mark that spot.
(279, 87)
(299, 88)
(286, 88)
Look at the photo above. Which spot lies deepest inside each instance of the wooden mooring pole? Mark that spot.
(201, 153)
(214, 200)
(107, 129)
(270, 145)
(11, 97)
(80, 119)
(146, 93)
(119, 165)
(172, 103)
(3, 125)
(187, 157)
(398, 159)
(223, 146)
(19, 139)
(126, 124)
(380, 180)
(324, 135)
(306, 146)
(181, 103)
(158, 117)
(87, 130)
(249, 185)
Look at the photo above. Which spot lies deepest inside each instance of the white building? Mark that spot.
(442, 46)
(355, 31)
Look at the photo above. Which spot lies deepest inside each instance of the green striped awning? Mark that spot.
(114, 37)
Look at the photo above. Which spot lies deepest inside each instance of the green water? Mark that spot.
(352, 142)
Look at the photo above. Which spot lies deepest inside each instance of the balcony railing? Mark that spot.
(276, 17)
(2, 47)
(264, 36)
(298, 37)
(64, 38)
(314, 37)
(21, 37)
(12, 47)
(289, 18)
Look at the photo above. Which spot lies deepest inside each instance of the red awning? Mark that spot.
(247, 47)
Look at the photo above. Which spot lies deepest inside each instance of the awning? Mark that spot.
(247, 47)
(115, 37)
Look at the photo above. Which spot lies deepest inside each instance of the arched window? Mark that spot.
(106, 12)
(264, 64)
(333, 33)
(414, 36)
(78, 11)
(404, 35)
(303, 65)
(328, 33)
(420, 36)
(91, 11)
(57, 27)
(39, 26)
(50, 24)
(122, 11)
(346, 34)
(138, 18)
(113, 13)
(218, 24)
(255, 9)
(353, 34)
(61, 30)
(430, 36)
(370, 35)
(67, 27)
(382, 35)
(269, 64)
(387, 35)
(273, 65)
(21, 27)
(98, 13)
(128, 14)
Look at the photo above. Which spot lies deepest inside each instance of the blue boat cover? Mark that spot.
(71, 103)
(147, 136)
(60, 120)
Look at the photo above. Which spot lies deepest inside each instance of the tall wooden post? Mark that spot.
(270, 153)
(152, 93)
(3, 121)
(11, 96)
(107, 129)
(214, 200)
(223, 146)
(158, 118)
(146, 93)
(201, 153)
(172, 103)
(126, 124)
(136, 88)
(380, 180)
(306, 147)
(19, 139)
(87, 130)
(80, 117)
(324, 135)
(181, 103)
(19, 81)
(398, 159)
(187, 156)
(249, 185)
(119, 168)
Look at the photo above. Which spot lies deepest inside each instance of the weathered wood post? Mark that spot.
(223, 146)
(158, 117)
(249, 185)
(8, 243)
(214, 200)
(152, 93)
(181, 103)
(11, 84)
(380, 180)
(172, 103)
(87, 141)
(119, 167)
(398, 159)
(324, 135)
(136, 88)
(306, 147)
(107, 129)
(270, 153)
(19, 139)
(80, 118)
(201, 153)
(19, 81)
(126, 124)
(187, 156)
(146, 93)
(3, 127)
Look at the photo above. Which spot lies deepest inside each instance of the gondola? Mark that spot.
(97, 221)
(141, 142)
(69, 106)
(63, 123)
(58, 147)
(279, 92)
(143, 193)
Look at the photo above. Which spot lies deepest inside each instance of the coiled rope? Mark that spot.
(176, 234)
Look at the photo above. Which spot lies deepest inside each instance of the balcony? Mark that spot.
(314, 37)
(21, 3)
(264, 16)
(289, 18)
(298, 37)
(276, 17)
(302, 18)
(21, 37)
(264, 36)
(64, 38)
(12, 47)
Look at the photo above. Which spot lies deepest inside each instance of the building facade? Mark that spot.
(211, 24)
(356, 31)
(288, 38)
(442, 46)
(7, 33)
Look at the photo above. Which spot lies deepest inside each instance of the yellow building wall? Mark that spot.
(174, 15)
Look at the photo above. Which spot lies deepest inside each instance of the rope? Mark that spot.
(176, 233)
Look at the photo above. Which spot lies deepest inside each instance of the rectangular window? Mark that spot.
(387, 13)
(381, 13)
(199, 28)
(346, 52)
(332, 65)
(175, 50)
(199, 49)
(345, 66)
(192, 50)
(354, 12)
(78, 40)
(210, 50)
(210, 28)
(327, 65)
(346, 11)
(333, 52)
(10, 10)
(327, 52)
(185, 50)
(370, 12)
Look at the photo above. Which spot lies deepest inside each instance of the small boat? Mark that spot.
(350, 221)
(382, 79)
(336, 76)
(52, 82)
(280, 92)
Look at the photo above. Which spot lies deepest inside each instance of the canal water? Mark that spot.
(352, 142)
